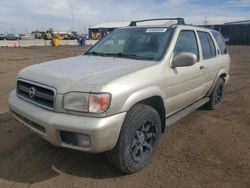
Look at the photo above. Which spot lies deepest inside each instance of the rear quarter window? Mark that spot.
(220, 41)
(207, 45)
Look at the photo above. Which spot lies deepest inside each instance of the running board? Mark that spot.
(177, 116)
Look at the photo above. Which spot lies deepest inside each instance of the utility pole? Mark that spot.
(73, 19)
(205, 21)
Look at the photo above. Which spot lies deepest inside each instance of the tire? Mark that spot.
(216, 95)
(133, 150)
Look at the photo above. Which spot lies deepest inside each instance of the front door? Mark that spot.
(185, 84)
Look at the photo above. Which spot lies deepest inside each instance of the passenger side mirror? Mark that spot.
(184, 59)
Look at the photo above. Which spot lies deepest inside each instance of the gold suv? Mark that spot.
(120, 95)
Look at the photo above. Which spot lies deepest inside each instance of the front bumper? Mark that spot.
(103, 132)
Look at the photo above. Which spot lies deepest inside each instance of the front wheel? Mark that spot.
(216, 95)
(139, 137)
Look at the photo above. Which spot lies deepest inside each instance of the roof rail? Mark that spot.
(179, 20)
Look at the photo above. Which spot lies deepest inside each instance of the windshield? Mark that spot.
(135, 43)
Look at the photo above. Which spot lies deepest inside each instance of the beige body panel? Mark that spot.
(178, 87)
(128, 81)
(103, 132)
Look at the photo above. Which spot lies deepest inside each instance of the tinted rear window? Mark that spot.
(220, 41)
(207, 45)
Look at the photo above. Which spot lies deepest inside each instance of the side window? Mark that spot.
(220, 41)
(207, 45)
(186, 42)
(212, 45)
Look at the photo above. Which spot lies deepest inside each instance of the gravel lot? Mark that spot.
(204, 149)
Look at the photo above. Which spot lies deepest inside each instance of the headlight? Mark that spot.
(76, 101)
(86, 102)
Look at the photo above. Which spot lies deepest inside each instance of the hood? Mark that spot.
(82, 73)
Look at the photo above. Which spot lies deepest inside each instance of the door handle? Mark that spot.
(202, 67)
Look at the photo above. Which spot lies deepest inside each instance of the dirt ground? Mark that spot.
(204, 149)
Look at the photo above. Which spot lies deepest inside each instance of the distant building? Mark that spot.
(237, 32)
(234, 32)
(99, 31)
(238, 22)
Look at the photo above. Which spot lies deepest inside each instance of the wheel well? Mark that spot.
(223, 76)
(157, 103)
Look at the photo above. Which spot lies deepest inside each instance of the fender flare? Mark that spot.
(218, 75)
(141, 95)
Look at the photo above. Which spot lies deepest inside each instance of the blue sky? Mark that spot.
(28, 15)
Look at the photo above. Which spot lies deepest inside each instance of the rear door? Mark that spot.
(209, 58)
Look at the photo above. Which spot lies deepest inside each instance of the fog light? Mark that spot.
(76, 139)
(83, 140)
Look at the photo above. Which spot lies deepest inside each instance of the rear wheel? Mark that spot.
(139, 137)
(216, 95)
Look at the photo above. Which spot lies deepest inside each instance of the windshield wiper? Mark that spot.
(95, 53)
(132, 56)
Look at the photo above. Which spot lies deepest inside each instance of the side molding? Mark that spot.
(177, 116)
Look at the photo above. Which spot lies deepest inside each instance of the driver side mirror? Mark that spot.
(183, 60)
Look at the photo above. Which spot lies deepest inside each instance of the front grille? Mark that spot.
(36, 93)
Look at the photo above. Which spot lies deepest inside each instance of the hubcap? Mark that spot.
(141, 137)
(218, 94)
(143, 141)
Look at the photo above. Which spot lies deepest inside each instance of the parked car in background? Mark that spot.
(13, 37)
(3, 36)
(27, 37)
(226, 39)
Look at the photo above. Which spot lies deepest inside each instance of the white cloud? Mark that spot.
(176, 2)
(33, 14)
(243, 3)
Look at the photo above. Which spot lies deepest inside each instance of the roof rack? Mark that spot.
(179, 20)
